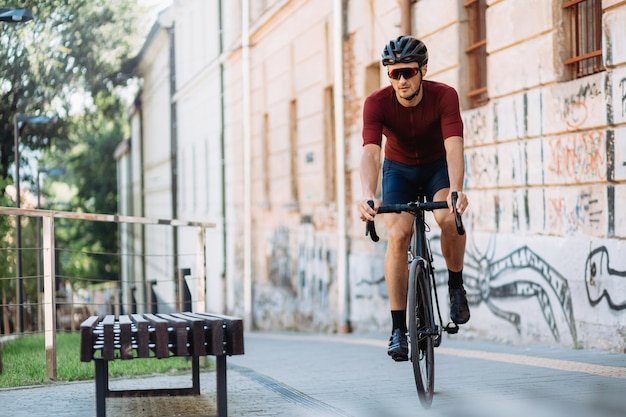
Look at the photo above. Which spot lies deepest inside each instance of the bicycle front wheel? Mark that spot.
(421, 331)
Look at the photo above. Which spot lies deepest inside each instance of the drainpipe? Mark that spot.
(406, 17)
(340, 151)
(173, 143)
(223, 157)
(246, 133)
(142, 210)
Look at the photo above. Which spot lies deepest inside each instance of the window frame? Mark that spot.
(476, 52)
(583, 20)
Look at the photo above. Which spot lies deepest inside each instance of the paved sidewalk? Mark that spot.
(293, 375)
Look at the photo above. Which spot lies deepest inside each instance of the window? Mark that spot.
(293, 148)
(265, 162)
(372, 78)
(329, 143)
(584, 25)
(477, 51)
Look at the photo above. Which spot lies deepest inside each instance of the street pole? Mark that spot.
(15, 15)
(39, 255)
(18, 229)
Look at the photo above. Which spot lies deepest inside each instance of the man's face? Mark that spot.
(406, 78)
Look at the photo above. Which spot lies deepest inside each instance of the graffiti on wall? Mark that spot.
(486, 281)
(579, 157)
(315, 266)
(481, 166)
(565, 217)
(475, 127)
(575, 108)
(622, 86)
(603, 283)
(378, 285)
(280, 259)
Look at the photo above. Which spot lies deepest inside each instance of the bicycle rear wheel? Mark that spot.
(421, 331)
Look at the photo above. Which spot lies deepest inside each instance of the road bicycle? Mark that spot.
(424, 333)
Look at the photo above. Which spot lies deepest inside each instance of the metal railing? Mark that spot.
(49, 302)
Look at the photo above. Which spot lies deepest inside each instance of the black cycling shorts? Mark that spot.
(403, 183)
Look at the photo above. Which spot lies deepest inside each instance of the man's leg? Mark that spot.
(396, 275)
(453, 251)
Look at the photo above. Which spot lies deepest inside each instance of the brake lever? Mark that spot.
(370, 227)
(460, 229)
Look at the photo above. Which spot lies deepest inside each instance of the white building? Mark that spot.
(237, 124)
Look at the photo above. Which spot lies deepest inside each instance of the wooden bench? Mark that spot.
(108, 338)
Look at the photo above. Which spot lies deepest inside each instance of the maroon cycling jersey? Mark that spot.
(414, 135)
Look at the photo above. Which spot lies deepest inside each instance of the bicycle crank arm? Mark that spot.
(428, 332)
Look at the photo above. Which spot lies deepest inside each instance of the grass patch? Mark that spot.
(24, 361)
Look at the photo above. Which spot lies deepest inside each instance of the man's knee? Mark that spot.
(397, 246)
(398, 235)
(446, 222)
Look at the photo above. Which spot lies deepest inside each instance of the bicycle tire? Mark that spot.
(420, 319)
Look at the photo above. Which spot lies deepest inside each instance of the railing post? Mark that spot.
(49, 273)
(201, 303)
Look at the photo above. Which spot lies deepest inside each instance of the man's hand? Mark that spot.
(365, 211)
(461, 202)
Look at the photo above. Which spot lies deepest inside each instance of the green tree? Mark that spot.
(91, 170)
(70, 48)
(71, 61)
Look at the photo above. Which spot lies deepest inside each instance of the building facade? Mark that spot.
(250, 117)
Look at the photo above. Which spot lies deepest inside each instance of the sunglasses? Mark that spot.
(403, 72)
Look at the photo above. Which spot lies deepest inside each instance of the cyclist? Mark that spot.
(422, 124)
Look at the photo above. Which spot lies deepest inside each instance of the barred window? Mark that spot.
(477, 51)
(583, 19)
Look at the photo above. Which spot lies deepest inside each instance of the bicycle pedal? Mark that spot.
(451, 328)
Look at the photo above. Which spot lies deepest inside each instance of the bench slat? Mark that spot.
(214, 333)
(126, 337)
(178, 339)
(196, 335)
(87, 338)
(234, 333)
(142, 336)
(160, 337)
(108, 349)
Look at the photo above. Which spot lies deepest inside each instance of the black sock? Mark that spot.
(455, 279)
(398, 318)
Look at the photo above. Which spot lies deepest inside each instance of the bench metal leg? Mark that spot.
(102, 386)
(220, 371)
(103, 391)
(195, 375)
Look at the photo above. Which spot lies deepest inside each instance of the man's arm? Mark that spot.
(369, 169)
(456, 170)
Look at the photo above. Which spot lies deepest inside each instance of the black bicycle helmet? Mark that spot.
(405, 49)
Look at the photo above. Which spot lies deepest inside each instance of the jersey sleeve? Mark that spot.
(372, 122)
(451, 121)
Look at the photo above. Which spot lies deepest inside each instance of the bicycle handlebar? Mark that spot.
(457, 217)
(413, 207)
(370, 228)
